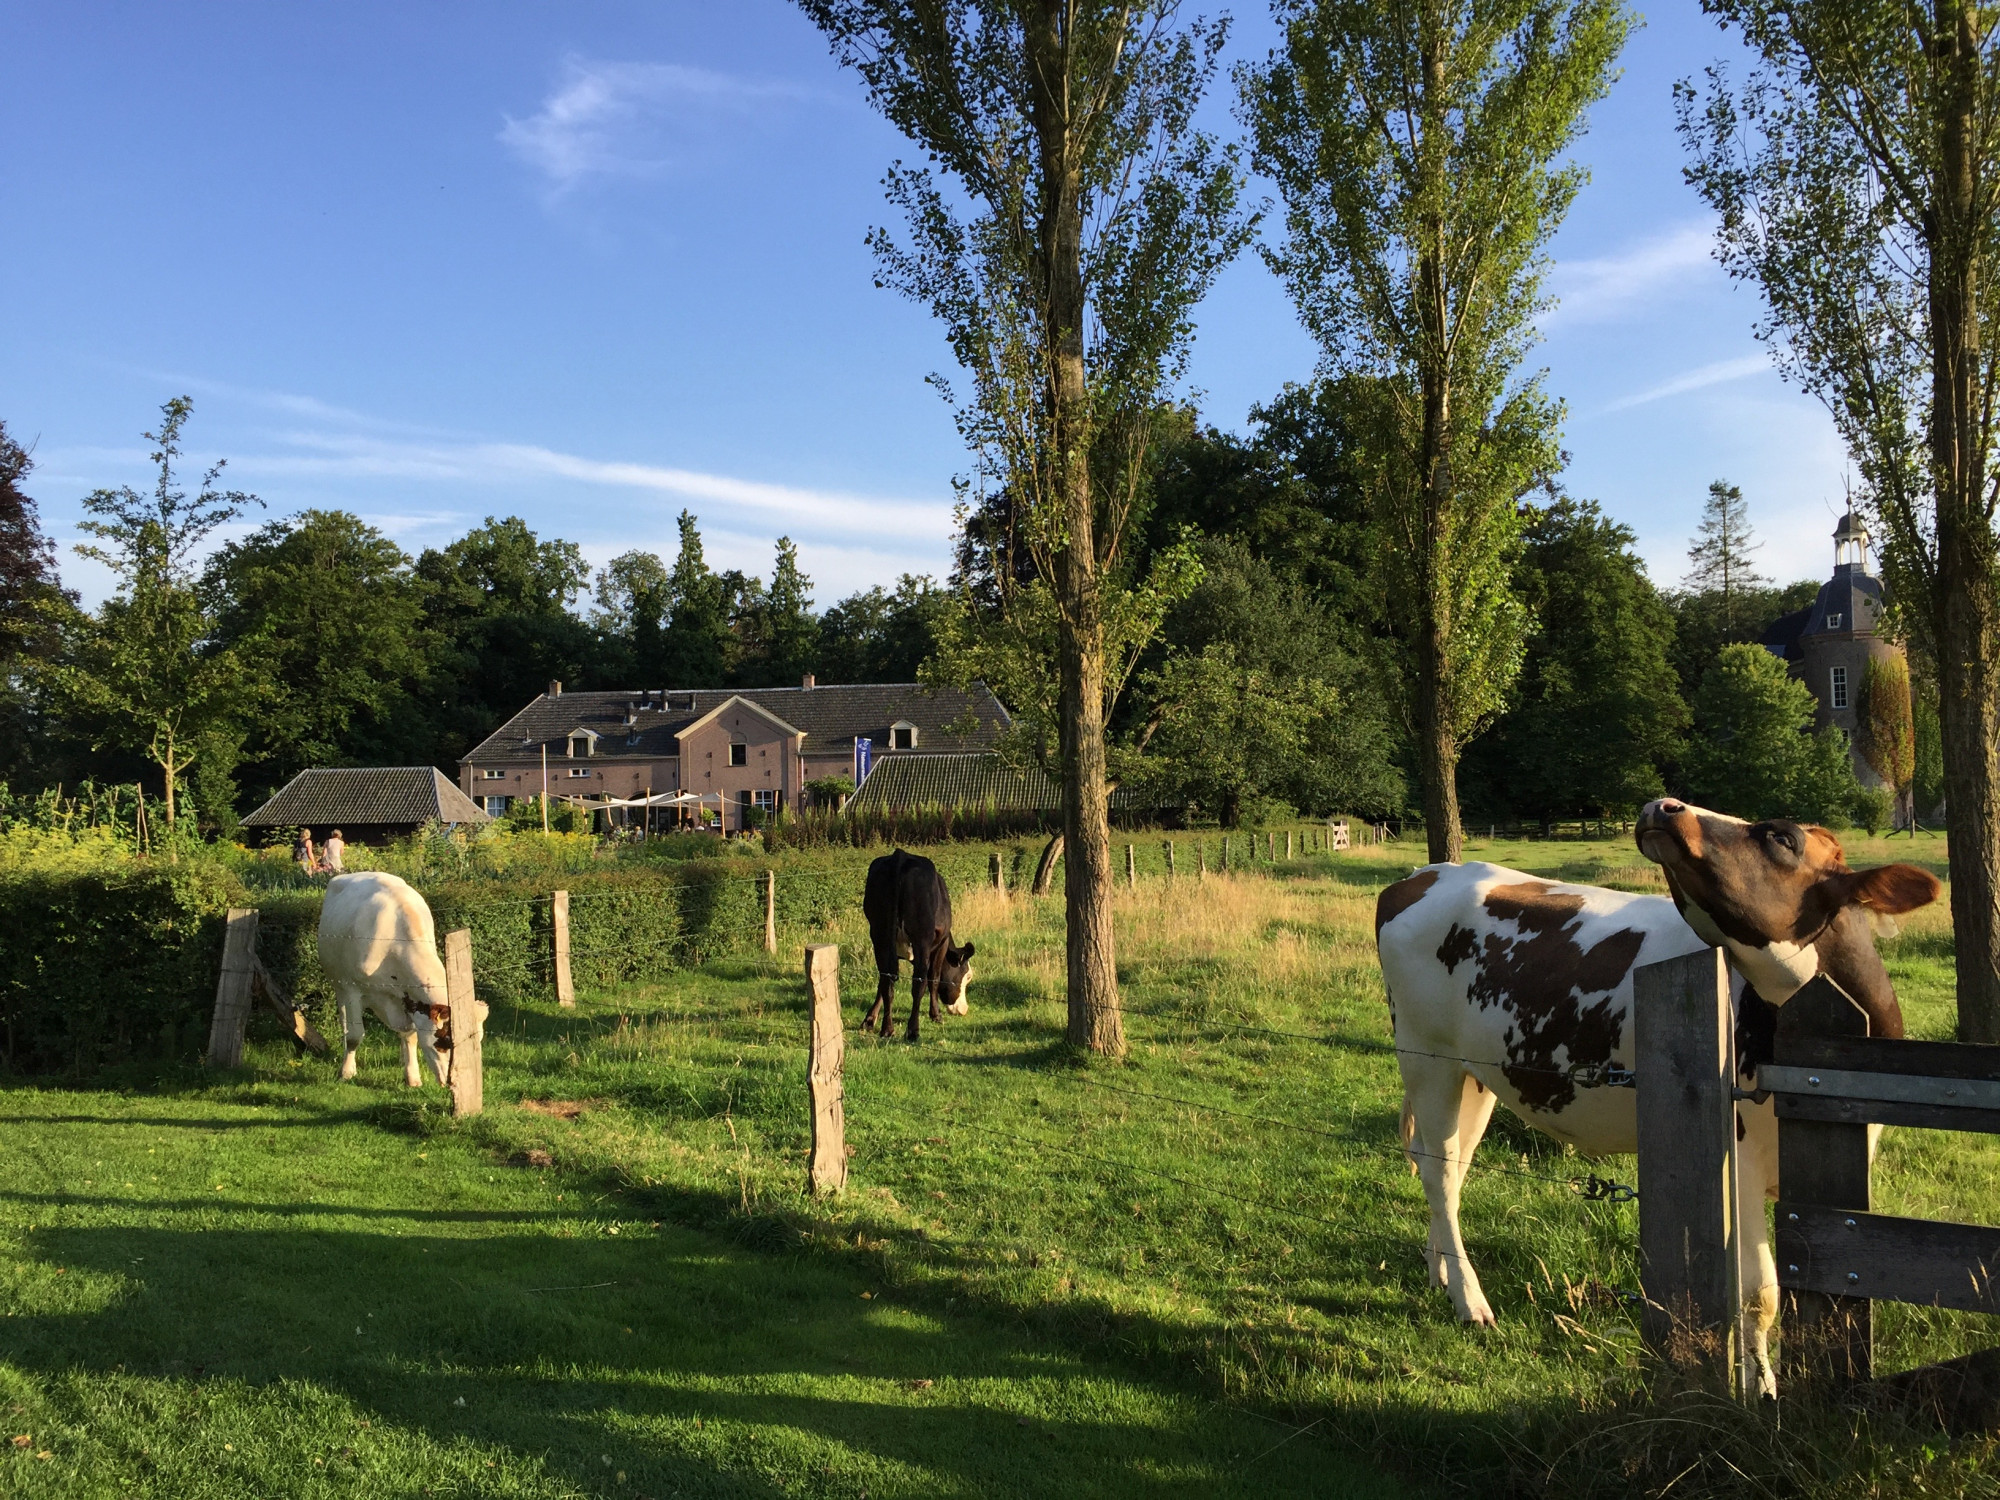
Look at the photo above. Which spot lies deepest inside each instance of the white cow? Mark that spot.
(1507, 987)
(378, 945)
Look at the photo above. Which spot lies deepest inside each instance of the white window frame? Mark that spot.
(492, 775)
(739, 748)
(1833, 621)
(766, 799)
(1837, 687)
(495, 806)
(579, 770)
(902, 735)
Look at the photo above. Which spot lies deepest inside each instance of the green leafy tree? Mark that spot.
(1703, 625)
(697, 647)
(1071, 222)
(1423, 154)
(782, 632)
(1754, 753)
(1856, 173)
(879, 636)
(1887, 737)
(1722, 558)
(1596, 657)
(328, 612)
(498, 600)
(33, 611)
(632, 600)
(145, 668)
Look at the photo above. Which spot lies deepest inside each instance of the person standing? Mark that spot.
(331, 852)
(308, 863)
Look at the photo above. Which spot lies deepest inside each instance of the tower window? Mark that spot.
(1833, 621)
(1839, 687)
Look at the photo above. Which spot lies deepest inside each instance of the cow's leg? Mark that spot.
(918, 984)
(936, 976)
(1756, 1269)
(351, 1020)
(1447, 1111)
(884, 943)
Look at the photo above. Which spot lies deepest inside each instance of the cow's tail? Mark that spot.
(1408, 1129)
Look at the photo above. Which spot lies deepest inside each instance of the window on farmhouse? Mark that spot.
(492, 775)
(766, 800)
(903, 737)
(495, 806)
(739, 755)
(1839, 687)
(578, 771)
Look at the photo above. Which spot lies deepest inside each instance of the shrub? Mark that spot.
(1873, 807)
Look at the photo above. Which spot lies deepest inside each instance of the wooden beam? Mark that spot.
(1685, 1061)
(826, 1171)
(1131, 869)
(305, 1035)
(1887, 1112)
(559, 924)
(1828, 1338)
(1851, 1254)
(232, 989)
(1875, 1087)
(468, 1027)
(997, 872)
(1881, 1054)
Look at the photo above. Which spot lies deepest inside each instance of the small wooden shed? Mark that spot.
(368, 804)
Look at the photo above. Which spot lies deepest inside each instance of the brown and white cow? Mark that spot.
(1502, 986)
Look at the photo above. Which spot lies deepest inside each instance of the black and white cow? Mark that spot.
(1528, 978)
(909, 916)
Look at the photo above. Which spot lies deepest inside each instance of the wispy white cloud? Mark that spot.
(1718, 373)
(774, 504)
(612, 119)
(1606, 286)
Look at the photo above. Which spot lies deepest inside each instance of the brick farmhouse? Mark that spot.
(750, 748)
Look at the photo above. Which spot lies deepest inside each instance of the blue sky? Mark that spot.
(590, 263)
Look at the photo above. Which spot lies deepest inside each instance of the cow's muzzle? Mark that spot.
(1668, 830)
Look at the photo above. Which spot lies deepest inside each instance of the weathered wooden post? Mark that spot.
(993, 868)
(559, 922)
(770, 911)
(1224, 866)
(232, 990)
(1288, 843)
(1170, 858)
(1131, 869)
(1271, 846)
(468, 1026)
(1685, 1061)
(1828, 1338)
(1200, 860)
(827, 1170)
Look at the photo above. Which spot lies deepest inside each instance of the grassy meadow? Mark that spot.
(1197, 1271)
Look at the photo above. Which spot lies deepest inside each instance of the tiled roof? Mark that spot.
(360, 796)
(976, 779)
(831, 717)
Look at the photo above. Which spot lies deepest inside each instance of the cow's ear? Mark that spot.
(1890, 889)
(965, 954)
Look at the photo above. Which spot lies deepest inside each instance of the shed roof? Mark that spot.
(831, 718)
(969, 779)
(363, 796)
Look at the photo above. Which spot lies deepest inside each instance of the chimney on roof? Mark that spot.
(807, 683)
(555, 687)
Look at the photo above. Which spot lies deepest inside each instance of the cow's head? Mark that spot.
(955, 979)
(1779, 899)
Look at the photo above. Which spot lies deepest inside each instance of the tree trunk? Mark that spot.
(1045, 867)
(169, 765)
(1094, 1019)
(1968, 606)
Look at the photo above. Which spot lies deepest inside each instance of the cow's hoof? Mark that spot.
(1478, 1316)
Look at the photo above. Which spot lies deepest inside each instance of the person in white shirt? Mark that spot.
(330, 853)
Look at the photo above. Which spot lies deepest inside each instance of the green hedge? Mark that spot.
(122, 963)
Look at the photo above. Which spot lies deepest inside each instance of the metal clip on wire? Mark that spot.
(1604, 1075)
(1595, 1189)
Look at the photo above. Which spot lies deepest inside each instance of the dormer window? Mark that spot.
(582, 742)
(1833, 621)
(902, 735)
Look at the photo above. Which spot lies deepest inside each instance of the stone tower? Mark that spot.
(1830, 643)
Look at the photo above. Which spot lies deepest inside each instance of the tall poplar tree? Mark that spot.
(1095, 216)
(1422, 150)
(1857, 175)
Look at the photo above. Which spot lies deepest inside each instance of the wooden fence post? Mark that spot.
(1200, 860)
(1170, 859)
(1288, 843)
(1131, 870)
(232, 990)
(1224, 866)
(827, 1170)
(770, 911)
(468, 1026)
(993, 868)
(1685, 1059)
(559, 920)
(1827, 1338)
(1271, 845)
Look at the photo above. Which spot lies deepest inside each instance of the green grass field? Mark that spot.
(1198, 1271)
